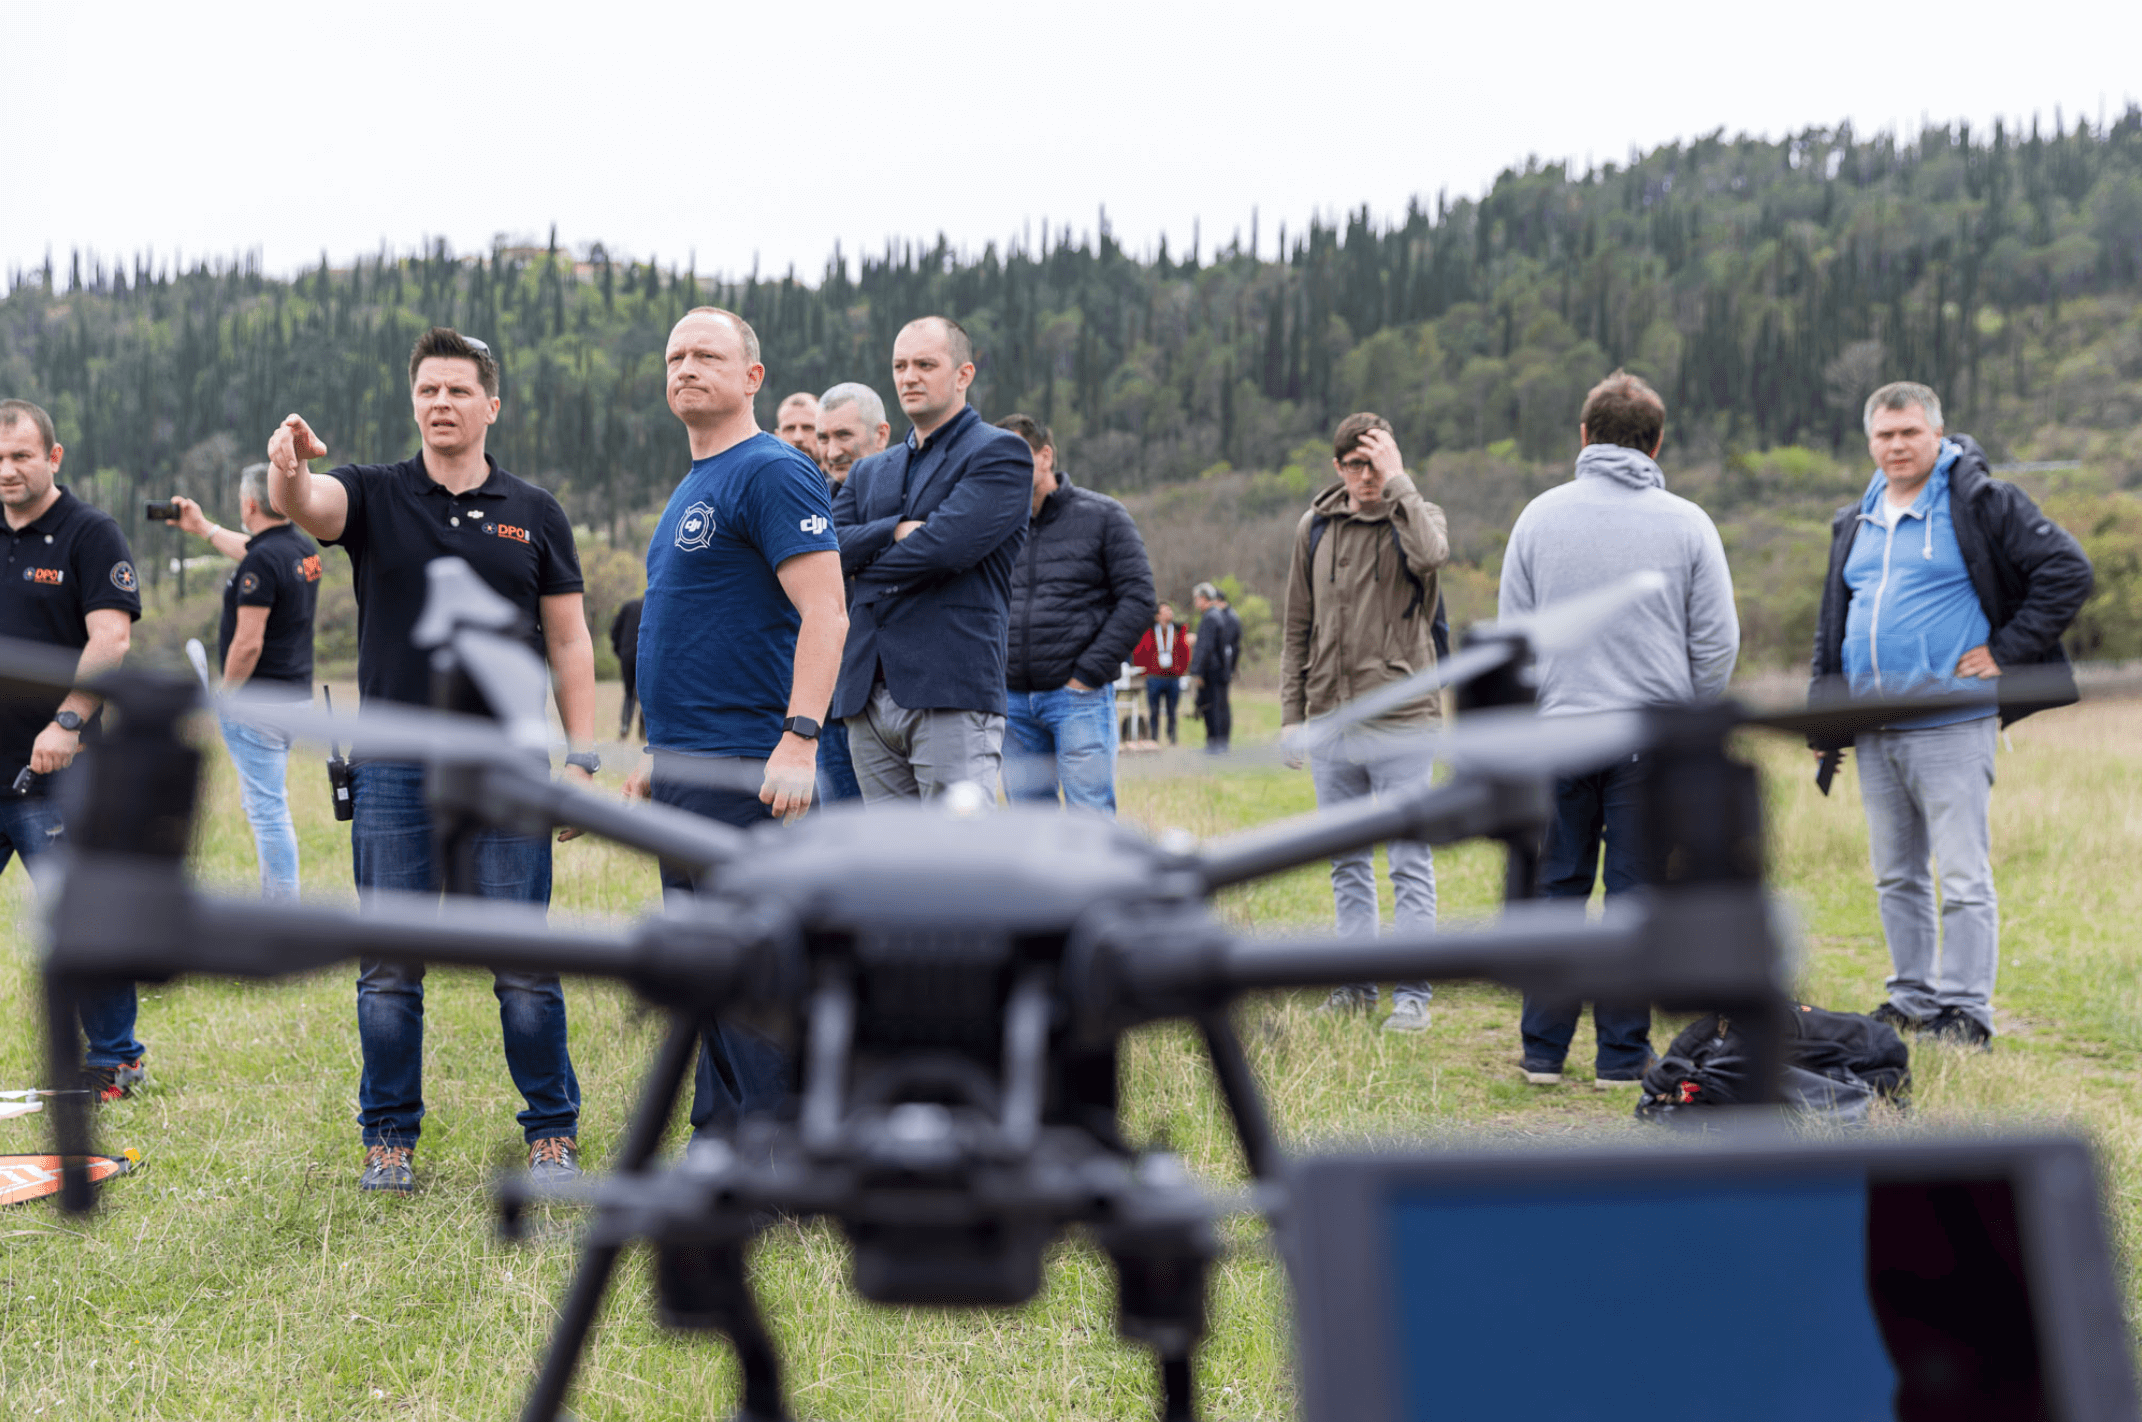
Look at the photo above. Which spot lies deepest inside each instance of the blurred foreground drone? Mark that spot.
(953, 985)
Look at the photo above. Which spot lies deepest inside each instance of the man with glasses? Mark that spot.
(450, 500)
(1361, 598)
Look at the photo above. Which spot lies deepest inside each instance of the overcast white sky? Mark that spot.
(770, 131)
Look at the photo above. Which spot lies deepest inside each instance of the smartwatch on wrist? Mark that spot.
(803, 727)
(69, 721)
(587, 760)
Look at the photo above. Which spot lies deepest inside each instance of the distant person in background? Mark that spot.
(1081, 590)
(851, 426)
(264, 645)
(1675, 645)
(928, 533)
(451, 499)
(740, 644)
(796, 423)
(1163, 654)
(1213, 658)
(1361, 595)
(75, 589)
(625, 641)
(1941, 579)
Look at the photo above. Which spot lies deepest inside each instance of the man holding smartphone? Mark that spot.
(69, 582)
(264, 646)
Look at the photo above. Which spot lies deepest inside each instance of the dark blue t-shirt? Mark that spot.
(717, 632)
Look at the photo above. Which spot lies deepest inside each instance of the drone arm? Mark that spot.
(1437, 814)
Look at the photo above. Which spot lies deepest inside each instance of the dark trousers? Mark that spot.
(1158, 690)
(741, 1072)
(628, 673)
(30, 825)
(391, 848)
(1589, 809)
(1219, 717)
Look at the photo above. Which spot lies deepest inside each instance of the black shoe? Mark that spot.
(1897, 1019)
(1541, 1073)
(1960, 1028)
(389, 1168)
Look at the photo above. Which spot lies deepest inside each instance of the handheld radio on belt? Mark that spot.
(338, 770)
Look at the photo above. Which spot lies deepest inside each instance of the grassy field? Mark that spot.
(241, 1274)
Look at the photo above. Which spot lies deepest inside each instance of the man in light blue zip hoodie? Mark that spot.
(1942, 577)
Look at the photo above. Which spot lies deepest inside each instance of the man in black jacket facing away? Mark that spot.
(1212, 663)
(1081, 594)
(1941, 579)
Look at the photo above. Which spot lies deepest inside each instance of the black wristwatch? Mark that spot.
(802, 726)
(69, 721)
(587, 760)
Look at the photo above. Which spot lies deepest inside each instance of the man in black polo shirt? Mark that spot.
(68, 581)
(265, 647)
(452, 499)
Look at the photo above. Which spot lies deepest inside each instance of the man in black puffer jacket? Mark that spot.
(1081, 595)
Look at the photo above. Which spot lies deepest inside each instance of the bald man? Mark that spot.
(796, 423)
(928, 531)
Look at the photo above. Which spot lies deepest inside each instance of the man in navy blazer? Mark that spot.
(928, 531)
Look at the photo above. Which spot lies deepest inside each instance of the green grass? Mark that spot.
(241, 1275)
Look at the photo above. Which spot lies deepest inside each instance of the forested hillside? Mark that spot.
(1764, 286)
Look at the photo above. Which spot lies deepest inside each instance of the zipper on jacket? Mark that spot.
(1874, 619)
(1026, 615)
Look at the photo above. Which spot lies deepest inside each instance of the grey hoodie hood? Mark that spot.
(1625, 466)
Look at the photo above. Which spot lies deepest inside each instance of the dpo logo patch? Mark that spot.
(816, 523)
(50, 577)
(308, 568)
(123, 577)
(696, 528)
(507, 530)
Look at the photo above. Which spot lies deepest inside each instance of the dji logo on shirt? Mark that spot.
(696, 528)
(816, 523)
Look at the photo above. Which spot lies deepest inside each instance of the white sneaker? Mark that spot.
(1410, 1015)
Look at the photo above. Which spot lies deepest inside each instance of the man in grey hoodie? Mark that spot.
(1675, 643)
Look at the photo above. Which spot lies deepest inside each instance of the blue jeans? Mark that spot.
(261, 759)
(741, 1072)
(1065, 737)
(1159, 689)
(28, 827)
(390, 844)
(836, 768)
(1927, 794)
(1589, 808)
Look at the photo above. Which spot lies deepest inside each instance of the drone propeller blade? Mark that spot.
(198, 656)
(1452, 671)
(32, 671)
(1833, 713)
(1571, 623)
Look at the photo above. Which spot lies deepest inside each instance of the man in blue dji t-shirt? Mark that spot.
(740, 641)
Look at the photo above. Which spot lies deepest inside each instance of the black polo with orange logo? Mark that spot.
(61, 566)
(514, 534)
(281, 572)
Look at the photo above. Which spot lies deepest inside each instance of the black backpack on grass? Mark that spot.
(1836, 1065)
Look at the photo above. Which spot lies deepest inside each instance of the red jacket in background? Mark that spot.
(1146, 655)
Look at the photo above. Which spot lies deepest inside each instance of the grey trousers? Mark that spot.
(915, 755)
(1926, 795)
(1342, 774)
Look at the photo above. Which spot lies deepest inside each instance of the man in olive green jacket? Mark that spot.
(1361, 600)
